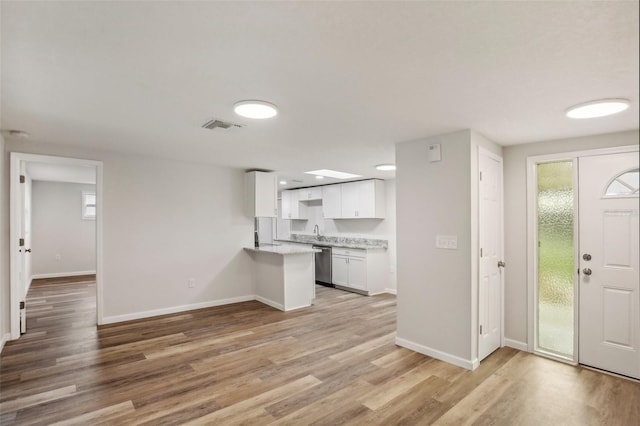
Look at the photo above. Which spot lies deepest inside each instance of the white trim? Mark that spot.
(391, 291)
(269, 302)
(62, 274)
(15, 159)
(516, 344)
(175, 309)
(5, 338)
(442, 356)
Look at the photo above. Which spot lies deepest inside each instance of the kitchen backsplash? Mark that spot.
(340, 241)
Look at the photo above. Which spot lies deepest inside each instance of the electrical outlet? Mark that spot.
(191, 283)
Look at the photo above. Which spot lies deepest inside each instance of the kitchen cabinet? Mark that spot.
(310, 194)
(261, 194)
(362, 271)
(362, 200)
(291, 207)
(332, 201)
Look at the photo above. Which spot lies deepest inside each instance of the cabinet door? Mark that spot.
(357, 273)
(366, 199)
(309, 194)
(350, 199)
(331, 201)
(294, 206)
(263, 193)
(286, 204)
(339, 270)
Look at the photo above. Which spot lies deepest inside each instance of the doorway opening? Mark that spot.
(56, 232)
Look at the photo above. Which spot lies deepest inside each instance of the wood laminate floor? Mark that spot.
(246, 363)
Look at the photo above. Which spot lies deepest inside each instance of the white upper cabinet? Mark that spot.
(261, 194)
(332, 201)
(291, 207)
(310, 194)
(362, 200)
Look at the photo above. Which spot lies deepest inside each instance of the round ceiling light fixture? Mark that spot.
(319, 177)
(386, 167)
(283, 182)
(18, 133)
(598, 108)
(255, 109)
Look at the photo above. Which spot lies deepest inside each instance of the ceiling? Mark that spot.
(351, 79)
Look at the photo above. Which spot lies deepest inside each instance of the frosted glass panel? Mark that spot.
(555, 258)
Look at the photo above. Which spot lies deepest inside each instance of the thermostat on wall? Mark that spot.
(434, 152)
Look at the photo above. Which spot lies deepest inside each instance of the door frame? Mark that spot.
(532, 246)
(14, 232)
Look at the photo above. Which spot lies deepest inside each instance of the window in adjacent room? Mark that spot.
(88, 205)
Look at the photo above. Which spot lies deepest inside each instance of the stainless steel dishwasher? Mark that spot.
(323, 266)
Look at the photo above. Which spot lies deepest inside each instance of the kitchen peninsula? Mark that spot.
(285, 275)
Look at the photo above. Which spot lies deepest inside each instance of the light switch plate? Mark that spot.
(434, 153)
(449, 242)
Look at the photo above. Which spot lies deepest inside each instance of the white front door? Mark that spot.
(490, 241)
(609, 281)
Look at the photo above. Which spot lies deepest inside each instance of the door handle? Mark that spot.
(501, 264)
(586, 271)
(27, 250)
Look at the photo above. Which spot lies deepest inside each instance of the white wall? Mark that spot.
(437, 288)
(5, 325)
(434, 298)
(515, 187)
(61, 241)
(384, 229)
(163, 223)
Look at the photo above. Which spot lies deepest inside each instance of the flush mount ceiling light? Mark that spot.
(319, 177)
(255, 109)
(386, 167)
(18, 133)
(283, 182)
(332, 174)
(598, 108)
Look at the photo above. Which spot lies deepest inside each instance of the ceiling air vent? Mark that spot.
(213, 124)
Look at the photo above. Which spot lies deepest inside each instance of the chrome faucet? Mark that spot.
(316, 230)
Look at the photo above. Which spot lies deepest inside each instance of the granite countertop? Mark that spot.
(284, 249)
(345, 242)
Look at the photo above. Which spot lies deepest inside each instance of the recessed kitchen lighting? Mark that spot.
(255, 109)
(332, 174)
(319, 177)
(599, 108)
(386, 167)
(283, 182)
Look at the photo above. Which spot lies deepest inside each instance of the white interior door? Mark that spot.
(17, 243)
(609, 281)
(490, 239)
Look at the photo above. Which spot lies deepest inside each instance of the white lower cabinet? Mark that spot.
(360, 270)
(340, 270)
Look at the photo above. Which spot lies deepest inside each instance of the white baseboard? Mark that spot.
(434, 353)
(174, 309)
(269, 302)
(62, 274)
(5, 338)
(516, 344)
(391, 290)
